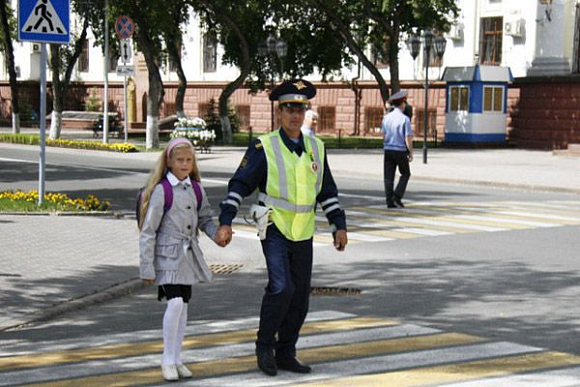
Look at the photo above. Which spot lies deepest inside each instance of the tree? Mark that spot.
(310, 45)
(61, 62)
(380, 24)
(8, 28)
(173, 37)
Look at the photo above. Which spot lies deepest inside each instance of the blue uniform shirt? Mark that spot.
(252, 174)
(396, 126)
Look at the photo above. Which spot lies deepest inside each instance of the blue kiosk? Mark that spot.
(476, 103)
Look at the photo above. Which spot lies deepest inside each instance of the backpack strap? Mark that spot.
(198, 195)
(167, 193)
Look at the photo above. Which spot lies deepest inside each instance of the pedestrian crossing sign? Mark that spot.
(44, 21)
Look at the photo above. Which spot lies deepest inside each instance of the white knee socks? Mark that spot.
(180, 334)
(174, 322)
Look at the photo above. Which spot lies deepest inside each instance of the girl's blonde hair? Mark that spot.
(159, 172)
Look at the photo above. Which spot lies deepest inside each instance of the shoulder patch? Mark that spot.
(259, 145)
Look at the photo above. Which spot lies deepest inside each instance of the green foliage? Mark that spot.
(93, 103)
(212, 119)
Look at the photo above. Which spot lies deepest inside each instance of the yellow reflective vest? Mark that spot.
(292, 184)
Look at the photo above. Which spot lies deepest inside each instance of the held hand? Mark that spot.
(223, 235)
(340, 240)
(148, 281)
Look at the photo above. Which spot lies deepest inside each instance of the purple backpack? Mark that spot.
(168, 194)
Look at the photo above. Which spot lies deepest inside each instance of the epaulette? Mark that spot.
(259, 145)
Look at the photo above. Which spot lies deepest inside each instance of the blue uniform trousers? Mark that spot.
(391, 161)
(285, 302)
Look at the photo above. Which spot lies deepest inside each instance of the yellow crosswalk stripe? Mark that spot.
(248, 363)
(432, 376)
(190, 342)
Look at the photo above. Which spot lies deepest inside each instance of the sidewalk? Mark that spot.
(51, 264)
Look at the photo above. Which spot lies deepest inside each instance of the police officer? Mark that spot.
(292, 174)
(398, 149)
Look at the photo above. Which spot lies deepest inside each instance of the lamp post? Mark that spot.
(273, 48)
(414, 43)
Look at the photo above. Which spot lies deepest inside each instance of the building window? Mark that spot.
(458, 98)
(373, 119)
(493, 99)
(209, 53)
(491, 40)
(243, 113)
(326, 118)
(83, 61)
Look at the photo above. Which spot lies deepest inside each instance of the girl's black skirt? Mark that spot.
(170, 291)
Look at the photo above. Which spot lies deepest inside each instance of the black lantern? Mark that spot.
(271, 49)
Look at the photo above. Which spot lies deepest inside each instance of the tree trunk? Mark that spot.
(244, 71)
(60, 87)
(57, 92)
(156, 92)
(394, 58)
(172, 50)
(9, 52)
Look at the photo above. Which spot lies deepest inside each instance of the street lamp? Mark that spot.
(273, 48)
(428, 40)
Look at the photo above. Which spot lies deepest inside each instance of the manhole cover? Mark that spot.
(225, 268)
(333, 291)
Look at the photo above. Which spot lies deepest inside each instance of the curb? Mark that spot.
(81, 302)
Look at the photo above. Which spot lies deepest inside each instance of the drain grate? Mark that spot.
(333, 291)
(225, 268)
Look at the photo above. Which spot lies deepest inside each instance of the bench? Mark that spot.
(89, 120)
(115, 128)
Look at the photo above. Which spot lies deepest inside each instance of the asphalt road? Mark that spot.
(519, 283)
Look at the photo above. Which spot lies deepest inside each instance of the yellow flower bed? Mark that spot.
(79, 144)
(57, 201)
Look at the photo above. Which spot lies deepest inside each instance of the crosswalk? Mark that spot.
(375, 223)
(344, 350)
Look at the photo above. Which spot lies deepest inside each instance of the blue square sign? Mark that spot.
(44, 21)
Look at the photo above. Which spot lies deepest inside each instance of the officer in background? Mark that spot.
(398, 149)
(292, 174)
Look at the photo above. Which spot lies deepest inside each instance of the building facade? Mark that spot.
(537, 39)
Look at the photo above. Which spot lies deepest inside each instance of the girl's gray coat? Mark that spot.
(168, 246)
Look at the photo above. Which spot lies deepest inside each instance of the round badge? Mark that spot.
(314, 167)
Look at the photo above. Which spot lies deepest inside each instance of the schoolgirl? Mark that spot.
(169, 251)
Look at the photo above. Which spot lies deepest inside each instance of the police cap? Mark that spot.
(398, 97)
(293, 92)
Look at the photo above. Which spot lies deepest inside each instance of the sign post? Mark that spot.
(125, 27)
(43, 21)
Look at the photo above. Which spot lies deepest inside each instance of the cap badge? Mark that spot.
(300, 85)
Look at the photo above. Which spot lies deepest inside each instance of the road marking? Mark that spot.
(190, 342)
(450, 373)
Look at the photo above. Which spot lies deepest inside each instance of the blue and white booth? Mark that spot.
(476, 103)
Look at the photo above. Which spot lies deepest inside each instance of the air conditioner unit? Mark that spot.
(514, 28)
(35, 47)
(456, 32)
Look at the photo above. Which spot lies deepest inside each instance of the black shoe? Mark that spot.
(391, 204)
(266, 361)
(399, 203)
(292, 364)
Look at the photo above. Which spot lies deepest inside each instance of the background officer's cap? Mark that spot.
(398, 97)
(295, 92)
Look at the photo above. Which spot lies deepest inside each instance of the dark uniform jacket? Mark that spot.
(252, 174)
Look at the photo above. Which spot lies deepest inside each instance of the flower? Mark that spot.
(194, 123)
(195, 130)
